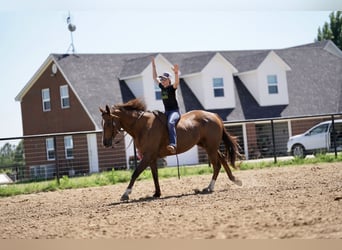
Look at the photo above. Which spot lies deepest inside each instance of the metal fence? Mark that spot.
(267, 138)
(49, 156)
(76, 154)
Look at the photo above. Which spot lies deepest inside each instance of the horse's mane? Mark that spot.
(134, 104)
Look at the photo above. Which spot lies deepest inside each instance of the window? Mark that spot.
(69, 146)
(157, 92)
(218, 87)
(272, 84)
(46, 100)
(50, 149)
(320, 129)
(65, 101)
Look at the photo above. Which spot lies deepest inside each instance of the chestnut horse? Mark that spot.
(150, 134)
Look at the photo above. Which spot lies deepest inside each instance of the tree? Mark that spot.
(333, 30)
(6, 154)
(19, 153)
(11, 154)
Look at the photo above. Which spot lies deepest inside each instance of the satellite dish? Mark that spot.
(54, 69)
(71, 27)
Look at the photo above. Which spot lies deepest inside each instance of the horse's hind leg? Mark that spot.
(227, 168)
(217, 166)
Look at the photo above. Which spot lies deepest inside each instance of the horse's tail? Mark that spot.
(232, 148)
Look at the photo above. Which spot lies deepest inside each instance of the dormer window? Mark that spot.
(65, 101)
(157, 92)
(272, 82)
(218, 87)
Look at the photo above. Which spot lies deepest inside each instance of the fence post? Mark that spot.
(56, 159)
(273, 142)
(334, 134)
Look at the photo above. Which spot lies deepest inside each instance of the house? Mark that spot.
(65, 93)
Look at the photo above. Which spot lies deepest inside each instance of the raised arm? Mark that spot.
(176, 73)
(154, 71)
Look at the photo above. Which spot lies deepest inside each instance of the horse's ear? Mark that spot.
(107, 109)
(101, 110)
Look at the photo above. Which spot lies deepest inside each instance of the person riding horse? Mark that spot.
(196, 127)
(168, 95)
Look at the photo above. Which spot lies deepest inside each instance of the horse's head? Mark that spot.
(110, 126)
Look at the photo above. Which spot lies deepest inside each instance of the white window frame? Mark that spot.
(215, 87)
(46, 99)
(50, 147)
(272, 83)
(68, 145)
(157, 92)
(64, 93)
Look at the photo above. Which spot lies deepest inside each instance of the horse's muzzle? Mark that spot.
(107, 142)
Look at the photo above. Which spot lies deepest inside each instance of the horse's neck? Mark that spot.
(129, 121)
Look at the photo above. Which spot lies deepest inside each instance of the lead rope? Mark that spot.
(178, 166)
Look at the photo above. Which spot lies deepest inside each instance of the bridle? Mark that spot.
(121, 131)
(114, 128)
(118, 131)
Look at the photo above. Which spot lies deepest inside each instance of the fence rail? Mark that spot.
(47, 156)
(261, 138)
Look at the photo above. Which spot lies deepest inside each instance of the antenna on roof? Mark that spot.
(71, 28)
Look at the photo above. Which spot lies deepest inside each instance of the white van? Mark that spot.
(317, 139)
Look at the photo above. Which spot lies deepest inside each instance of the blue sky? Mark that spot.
(32, 29)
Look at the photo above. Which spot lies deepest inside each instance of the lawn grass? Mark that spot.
(122, 176)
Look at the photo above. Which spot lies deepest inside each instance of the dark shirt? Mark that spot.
(168, 96)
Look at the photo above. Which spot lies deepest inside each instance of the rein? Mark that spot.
(122, 131)
(140, 115)
(123, 136)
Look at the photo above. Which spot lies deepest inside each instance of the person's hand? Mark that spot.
(175, 68)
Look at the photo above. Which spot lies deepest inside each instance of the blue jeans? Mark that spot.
(173, 117)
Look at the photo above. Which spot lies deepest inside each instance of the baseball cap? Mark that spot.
(165, 75)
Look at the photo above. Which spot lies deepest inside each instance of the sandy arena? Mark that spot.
(289, 202)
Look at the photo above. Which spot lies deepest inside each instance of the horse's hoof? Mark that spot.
(156, 195)
(124, 197)
(238, 182)
(207, 191)
(197, 191)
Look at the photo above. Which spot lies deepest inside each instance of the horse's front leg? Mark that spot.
(140, 168)
(154, 170)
